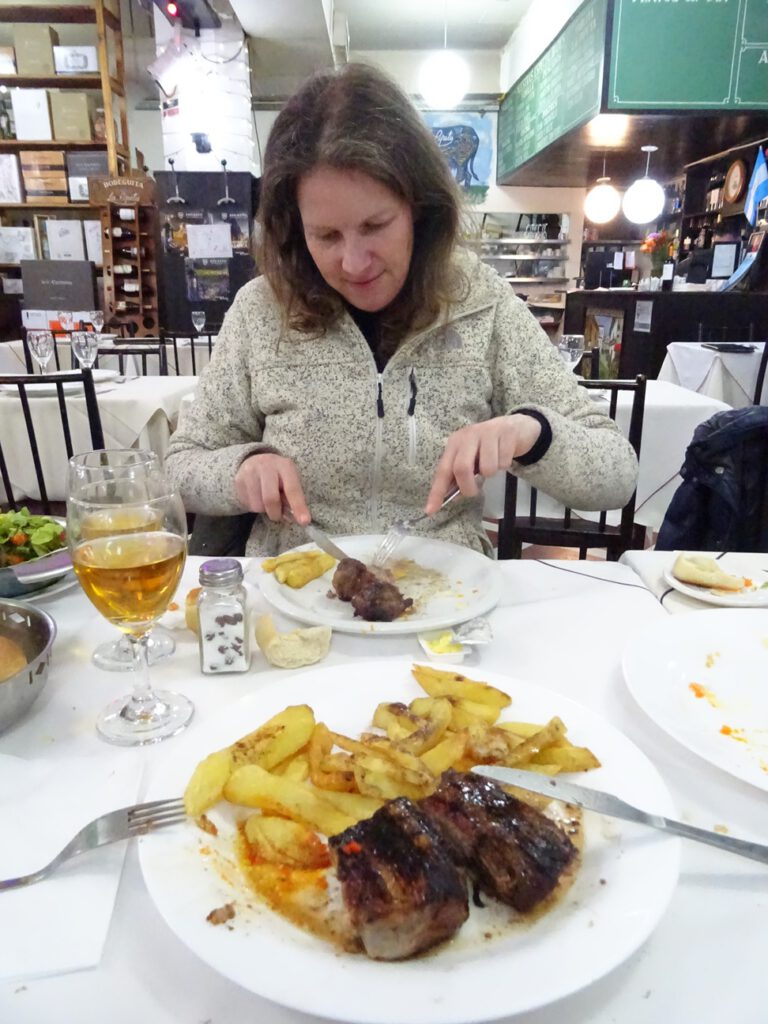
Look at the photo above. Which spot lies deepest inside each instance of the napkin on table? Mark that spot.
(59, 924)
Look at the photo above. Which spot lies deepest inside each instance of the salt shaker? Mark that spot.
(224, 637)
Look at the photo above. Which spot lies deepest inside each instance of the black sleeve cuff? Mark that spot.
(541, 447)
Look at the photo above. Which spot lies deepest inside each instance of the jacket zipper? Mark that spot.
(412, 419)
(377, 450)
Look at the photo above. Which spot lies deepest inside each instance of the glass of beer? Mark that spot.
(127, 535)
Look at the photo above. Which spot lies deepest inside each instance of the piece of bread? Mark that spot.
(12, 658)
(295, 649)
(702, 571)
(191, 614)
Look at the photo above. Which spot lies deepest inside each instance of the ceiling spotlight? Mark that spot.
(602, 202)
(444, 75)
(172, 9)
(644, 199)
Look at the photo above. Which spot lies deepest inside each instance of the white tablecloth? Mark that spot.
(727, 376)
(671, 415)
(562, 624)
(140, 413)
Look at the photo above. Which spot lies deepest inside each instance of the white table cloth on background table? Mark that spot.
(139, 413)
(12, 357)
(727, 376)
(562, 624)
(671, 415)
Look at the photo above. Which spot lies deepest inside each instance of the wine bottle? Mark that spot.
(126, 307)
(130, 252)
(125, 233)
(134, 288)
(126, 213)
(667, 275)
(125, 269)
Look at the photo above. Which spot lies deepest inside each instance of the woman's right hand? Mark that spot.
(266, 483)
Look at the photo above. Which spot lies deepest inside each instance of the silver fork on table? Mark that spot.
(109, 828)
(402, 527)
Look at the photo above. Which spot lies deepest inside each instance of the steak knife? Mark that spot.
(614, 807)
(318, 536)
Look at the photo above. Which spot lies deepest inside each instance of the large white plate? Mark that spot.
(99, 377)
(473, 587)
(726, 653)
(748, 566)
(621, 891)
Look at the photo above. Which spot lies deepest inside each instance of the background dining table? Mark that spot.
(141, 412)
(563, 625)
(12, 356)
(729, 377)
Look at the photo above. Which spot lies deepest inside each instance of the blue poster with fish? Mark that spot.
(466, 139)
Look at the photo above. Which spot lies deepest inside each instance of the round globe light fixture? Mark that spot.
(602, 202)
(443, 79)
(644, 199)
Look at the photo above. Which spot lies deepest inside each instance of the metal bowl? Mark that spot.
(52, 567)
(34, 631)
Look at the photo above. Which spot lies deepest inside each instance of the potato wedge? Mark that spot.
(463, 712)
(521, 755)
(206, 786)
(283, 735)
(445, 683)
(431, 730)
(325, 776)
(295, 767)
(567, 758)
(396, 720)
(355, 805)
(251, 786)
(380, 778)
(447, 753)
(281, 841)
(297, 568)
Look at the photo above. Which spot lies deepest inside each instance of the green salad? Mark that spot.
(24, 536)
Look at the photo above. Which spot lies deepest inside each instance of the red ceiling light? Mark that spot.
(172, 9)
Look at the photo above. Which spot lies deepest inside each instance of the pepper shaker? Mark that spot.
(223, 636)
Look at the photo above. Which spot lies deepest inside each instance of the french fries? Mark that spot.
(297, 568)
(305, 779)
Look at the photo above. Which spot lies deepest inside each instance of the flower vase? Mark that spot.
(658, 259)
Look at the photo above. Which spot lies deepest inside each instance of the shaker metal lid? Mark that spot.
(220, 572)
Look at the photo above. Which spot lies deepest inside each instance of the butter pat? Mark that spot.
(439, 646)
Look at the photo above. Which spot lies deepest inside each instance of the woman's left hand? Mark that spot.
(483, 448)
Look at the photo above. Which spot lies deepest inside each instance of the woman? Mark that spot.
(376, 361)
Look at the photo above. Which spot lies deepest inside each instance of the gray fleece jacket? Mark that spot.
(366, 444)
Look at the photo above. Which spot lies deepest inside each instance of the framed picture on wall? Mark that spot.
(467, 140)
(725, 258)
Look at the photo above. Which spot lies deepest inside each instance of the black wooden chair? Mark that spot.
(22, 383)
(761, 374)
(567, 531)
(144, 351)
(195, 341)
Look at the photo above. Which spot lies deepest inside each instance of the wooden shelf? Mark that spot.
(92, 80)
(48, 206)
(536, 280)
(6, 144)
(70, 14)
(517, 241)
(509, 256)
(544, 305)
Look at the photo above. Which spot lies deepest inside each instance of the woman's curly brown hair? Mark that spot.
(358, 119)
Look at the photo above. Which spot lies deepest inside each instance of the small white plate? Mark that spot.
(472, 586)
(47, 389)
(737, 565)
(622, 888)
(703, 679)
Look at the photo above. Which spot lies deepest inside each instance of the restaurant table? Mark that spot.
(563, 625)
(12, 357)
(672, 414)
(727, 376)
(137, 413)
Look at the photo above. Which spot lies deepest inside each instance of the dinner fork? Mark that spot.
(109, 828)
(401, 527)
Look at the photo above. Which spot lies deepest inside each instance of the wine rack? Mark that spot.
(129, 241)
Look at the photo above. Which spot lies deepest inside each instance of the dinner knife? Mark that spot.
(614, 807)
(320, 537)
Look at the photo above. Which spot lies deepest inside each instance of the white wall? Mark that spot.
(535, 31)
(403, 65)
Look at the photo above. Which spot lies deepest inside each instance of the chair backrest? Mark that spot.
(173, 339)
(22, 384)
(565, 531)
(143, 353)
(761, 374)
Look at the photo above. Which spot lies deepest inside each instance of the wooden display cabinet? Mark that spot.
(129, 239)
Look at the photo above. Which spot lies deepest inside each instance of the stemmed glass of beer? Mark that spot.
(126, 530)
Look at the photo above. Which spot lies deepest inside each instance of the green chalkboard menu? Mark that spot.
(689, 55)
(561, 90)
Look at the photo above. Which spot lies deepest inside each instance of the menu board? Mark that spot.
(560, 91)
(697, 55)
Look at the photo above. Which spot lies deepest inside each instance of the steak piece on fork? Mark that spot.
(403, 892)
(510, 850)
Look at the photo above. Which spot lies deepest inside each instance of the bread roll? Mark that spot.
(702, 571)
(295, 649)
(191, 614)
(12, 658)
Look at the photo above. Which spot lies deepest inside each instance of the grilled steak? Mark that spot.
(510, 850)
(403, 892)
(373, 597)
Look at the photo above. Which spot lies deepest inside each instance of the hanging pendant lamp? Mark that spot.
(603, 201)
(644, 199)
(444, 75)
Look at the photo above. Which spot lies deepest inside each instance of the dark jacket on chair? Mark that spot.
(722, 504)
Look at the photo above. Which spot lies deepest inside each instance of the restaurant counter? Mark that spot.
(674, 316)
